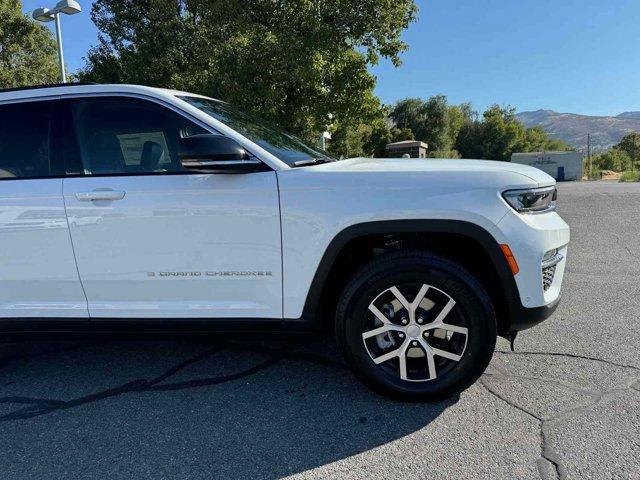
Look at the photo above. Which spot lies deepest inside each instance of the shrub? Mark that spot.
(630, 176)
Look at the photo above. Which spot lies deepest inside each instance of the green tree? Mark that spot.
(437, 125)
(503, 133)
(433, 121)
(27, 49)
(469, 141)
(615, 159)
(381, 135)
(499, 134)
(630, 144)
(366, 140)
(447, 153)
(459, 115)
(294, 62)
(556, 144)
(536, 139)
(348, 141)
(411, 114)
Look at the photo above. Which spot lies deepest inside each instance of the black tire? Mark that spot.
(473, 306)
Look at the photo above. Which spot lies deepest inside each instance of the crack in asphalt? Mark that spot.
(620, 242)
(553, 381)
(570, 355)
(37, 406)
(548, 454)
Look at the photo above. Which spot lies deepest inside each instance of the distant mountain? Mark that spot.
(632, 115)
(573, 128)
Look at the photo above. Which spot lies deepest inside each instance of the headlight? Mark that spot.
(532, 200)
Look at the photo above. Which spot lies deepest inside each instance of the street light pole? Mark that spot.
(63, 73)
(68, 7)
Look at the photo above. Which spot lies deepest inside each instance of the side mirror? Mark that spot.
(209, 153)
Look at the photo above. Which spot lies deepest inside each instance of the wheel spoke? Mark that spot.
(454, 328)
(439, 320)
(388, 327)
(445, 354)
(445, 311)
(432, 366)
(430, 360)
(419, 297)
(401, 298)
(446, 326)
(379, 315)
(387, 356)
(402, 357)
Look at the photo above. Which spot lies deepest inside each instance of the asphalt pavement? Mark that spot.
(566, 404)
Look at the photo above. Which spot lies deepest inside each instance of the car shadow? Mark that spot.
(189, 409)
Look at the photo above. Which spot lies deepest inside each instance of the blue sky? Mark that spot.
(576, 56)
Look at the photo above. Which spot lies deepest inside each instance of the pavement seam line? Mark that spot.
(547, 454)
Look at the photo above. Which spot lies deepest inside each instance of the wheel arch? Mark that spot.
(437, 235)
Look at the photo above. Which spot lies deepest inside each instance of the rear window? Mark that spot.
(25, 130)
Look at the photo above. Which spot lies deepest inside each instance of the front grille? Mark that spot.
(547, 277)
(549, 263)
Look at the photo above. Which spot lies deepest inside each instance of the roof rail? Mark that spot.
(50, 85)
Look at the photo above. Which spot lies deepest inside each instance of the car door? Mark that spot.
(38, 275)
(154, 241)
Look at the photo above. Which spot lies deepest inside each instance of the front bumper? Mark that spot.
(540, 245)
(530, 237)
(523, 318)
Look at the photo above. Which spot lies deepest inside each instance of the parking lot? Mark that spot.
(566, 404)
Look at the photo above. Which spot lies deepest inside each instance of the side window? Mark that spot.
(122, 135)
(25, 131)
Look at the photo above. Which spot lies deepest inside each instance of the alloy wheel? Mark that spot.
(418, 340)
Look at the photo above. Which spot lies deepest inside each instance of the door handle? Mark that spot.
(100, 194)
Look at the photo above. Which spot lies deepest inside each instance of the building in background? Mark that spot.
(560, 165)
(413, 148)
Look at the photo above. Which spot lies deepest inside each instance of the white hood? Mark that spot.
(408, 165)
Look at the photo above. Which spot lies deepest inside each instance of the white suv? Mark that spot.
(125, 206)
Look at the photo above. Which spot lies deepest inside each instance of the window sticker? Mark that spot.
(131, 145)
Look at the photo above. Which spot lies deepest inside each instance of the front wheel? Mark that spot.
(416, 326)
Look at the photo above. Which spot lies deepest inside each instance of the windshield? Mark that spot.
(287, 147)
